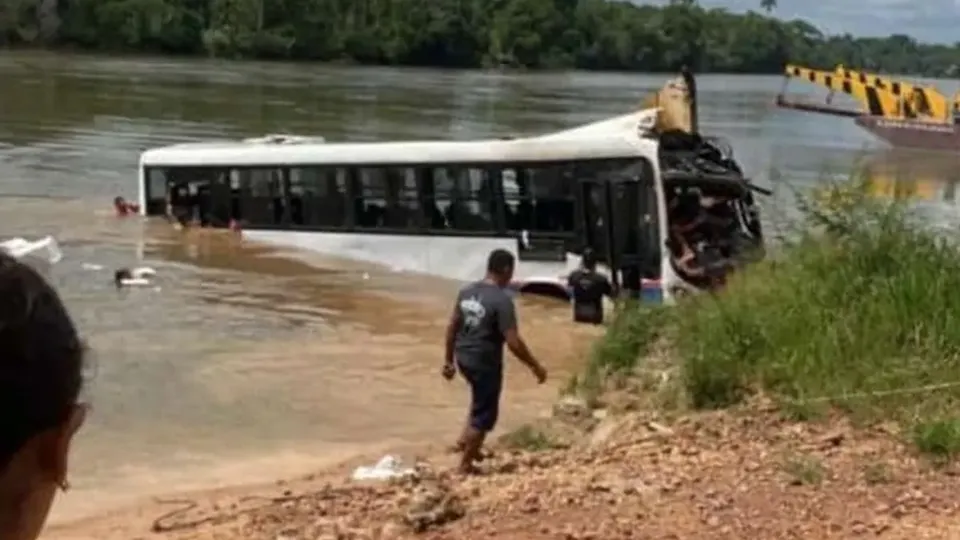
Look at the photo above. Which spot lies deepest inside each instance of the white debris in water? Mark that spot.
(388, 467)
(91, 266)
(141, 276)
(143, 272)
(20, 247)
(135, 282)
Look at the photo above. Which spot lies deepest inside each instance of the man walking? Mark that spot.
(483, 319)
(588, 289)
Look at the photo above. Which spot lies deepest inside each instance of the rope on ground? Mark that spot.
(877, 393)
(186, 505)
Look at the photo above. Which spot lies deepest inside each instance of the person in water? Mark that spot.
(179, 204)
(483, 319)
(40, 383)
(588, 287)
(120, 276)
(124, 207)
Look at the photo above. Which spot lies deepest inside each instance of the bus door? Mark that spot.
(597, 223)
(619, 222)
(635, 224)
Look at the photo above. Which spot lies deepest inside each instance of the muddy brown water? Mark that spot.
(248, 363)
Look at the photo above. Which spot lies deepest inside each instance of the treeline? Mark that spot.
(585, 34)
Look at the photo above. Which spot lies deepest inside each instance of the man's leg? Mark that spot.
(484, 411)
(469, 376)
(461, 442)
(471, 451)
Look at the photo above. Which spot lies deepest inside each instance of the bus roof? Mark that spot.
(643, 120)
(564, 146)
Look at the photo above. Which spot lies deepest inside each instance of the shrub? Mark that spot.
(860, 309)
(632, 332)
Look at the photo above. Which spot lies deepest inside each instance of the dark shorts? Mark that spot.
(181, 214)
(588, 314)
(485, 386)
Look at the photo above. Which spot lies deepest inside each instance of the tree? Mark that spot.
(580, 34)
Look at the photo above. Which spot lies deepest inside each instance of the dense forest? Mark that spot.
(585, 34)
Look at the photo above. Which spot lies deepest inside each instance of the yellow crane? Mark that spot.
(875, 101)
(904, 115)
(920, 101)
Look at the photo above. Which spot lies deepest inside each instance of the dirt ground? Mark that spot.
(747, 474)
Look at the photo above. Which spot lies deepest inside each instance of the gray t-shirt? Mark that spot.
(486, 314)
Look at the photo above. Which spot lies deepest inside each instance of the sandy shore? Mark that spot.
(138, 518)
(316, 373)
(731, 475)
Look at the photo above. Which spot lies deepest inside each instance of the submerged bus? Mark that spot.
(439, 207)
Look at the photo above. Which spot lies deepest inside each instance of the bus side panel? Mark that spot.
(142, 195)
(668, 278)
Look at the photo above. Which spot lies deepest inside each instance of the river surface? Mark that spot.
(247, 364)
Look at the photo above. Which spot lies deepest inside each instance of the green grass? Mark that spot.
(803, 470)
(529, 438)
(859, 310)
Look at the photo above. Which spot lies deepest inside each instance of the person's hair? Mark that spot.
(500, 262)
(41, 357)
(121, 274)
(588, 259)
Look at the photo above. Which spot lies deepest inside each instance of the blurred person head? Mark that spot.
(41, 363)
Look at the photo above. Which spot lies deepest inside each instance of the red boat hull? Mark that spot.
(912, 133)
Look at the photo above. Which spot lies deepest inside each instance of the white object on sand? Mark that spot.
(388, 467)
(20, 247)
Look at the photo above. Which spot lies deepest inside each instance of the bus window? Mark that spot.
(369, 196)
(318, 197)
(192, 193)
(386, 197)
(218, 199)
(462, 196)
(260, 196)
(156, 196)
(402, 200)
(539, 198)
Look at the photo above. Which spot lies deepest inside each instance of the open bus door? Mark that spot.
(620, 225)
(597, 223)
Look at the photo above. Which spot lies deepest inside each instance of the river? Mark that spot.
(248, 364)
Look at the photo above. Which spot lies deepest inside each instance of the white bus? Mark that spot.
(440, 207)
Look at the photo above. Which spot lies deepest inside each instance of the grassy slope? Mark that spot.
(860, 311)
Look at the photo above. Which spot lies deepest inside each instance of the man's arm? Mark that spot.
(507, 320)
(609, 288)
(452, 327)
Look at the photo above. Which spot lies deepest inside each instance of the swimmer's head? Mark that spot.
(40, 381)
(120, 275)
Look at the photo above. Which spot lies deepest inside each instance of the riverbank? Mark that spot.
(763, 412)
(748, 473)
